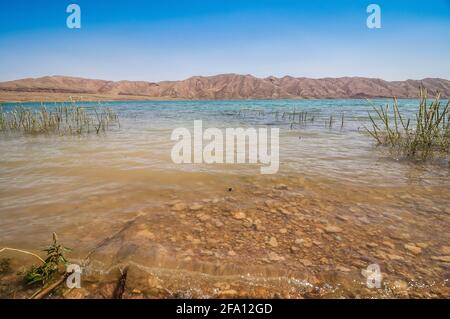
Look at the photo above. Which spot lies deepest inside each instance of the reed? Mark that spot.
(295, 118)
(422, 138)
(63, 120)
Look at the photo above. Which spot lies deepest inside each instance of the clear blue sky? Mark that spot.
(162, 40)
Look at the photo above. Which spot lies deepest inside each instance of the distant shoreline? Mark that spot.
(112, 99)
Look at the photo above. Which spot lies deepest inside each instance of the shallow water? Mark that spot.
(336, 205)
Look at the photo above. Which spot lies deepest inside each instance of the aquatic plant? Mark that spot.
(421, 138)
(63, 120)
(295, 119)
(45, 272)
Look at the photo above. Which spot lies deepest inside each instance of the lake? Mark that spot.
(337, 204)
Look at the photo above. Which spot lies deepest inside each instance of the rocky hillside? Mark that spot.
(218, 87)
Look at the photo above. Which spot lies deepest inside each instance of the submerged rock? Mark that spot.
(400, 285)
(445, 259)
(275, 257)
(413, 249)
(273, 242)
(196, 206)
(179, 207)
(281, 187)
(306, 262)
(76, 293)
(239, 215)
(229, 293)
(331, 229)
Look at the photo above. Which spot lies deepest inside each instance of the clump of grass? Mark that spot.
(45, 272)
(422, 138)
(63, 120)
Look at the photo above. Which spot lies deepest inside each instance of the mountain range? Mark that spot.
(217, 87)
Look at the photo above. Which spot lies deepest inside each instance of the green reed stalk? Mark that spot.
(429, 137)
(63, 120)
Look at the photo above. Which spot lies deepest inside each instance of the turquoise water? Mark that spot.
(244, 112)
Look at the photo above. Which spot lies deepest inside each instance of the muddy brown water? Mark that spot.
(336, 206)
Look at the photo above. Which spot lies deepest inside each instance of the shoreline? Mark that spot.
(289, 240)
(140, 99)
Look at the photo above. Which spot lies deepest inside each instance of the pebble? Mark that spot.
(395, 257)
(306, 262)
(284, 211)
(203, 217)
(331, 229)
(294, 249)
(273, 242)
(222, 285)
(275, 257)
(154, 282)
(76, 293)
(229, 293)
(307, 244)
(239, 215)
(179, 207)
(445, 259)
(389, 244)
(269, 203)
(212, 241)
(359, 263)
(107, 291)
(400, 285)
(343, 269)
(259, 227)
(218, 224)
(146, 234)
(196, 206)
(413, 249)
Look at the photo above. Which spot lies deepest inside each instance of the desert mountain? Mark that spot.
(218, 87)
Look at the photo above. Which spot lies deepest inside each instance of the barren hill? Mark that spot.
(218, 87)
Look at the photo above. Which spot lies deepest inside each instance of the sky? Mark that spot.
(173, 40)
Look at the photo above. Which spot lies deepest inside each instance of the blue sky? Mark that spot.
(171, 40)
